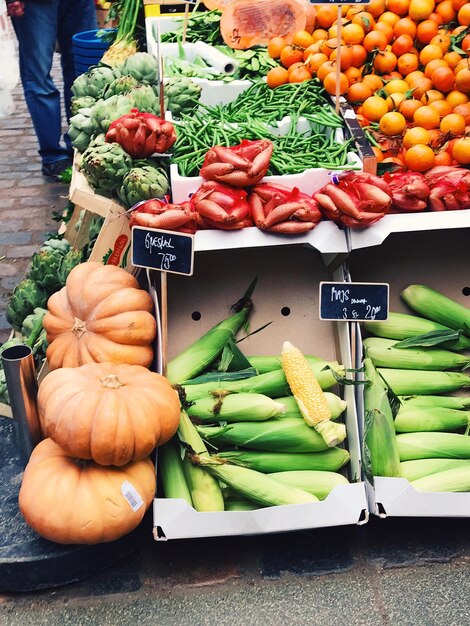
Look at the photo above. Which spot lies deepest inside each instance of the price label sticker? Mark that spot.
(163, 250)
(354, 302)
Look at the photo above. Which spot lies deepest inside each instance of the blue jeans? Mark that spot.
(44, 23)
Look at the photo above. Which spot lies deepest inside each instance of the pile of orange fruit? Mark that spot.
(404, 66)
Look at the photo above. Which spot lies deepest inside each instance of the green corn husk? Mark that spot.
(381, 456)
(403, 326)
(170, 465)
(318, 482)
(329, 460)
(423, 419)
(451, 480)
(433, 446)
(437, 307)
(288, 434)
(240, 504)
(448, 402)
(383, 354)
(423, 382)
(412, 470)
(253, 485)
(236, 407)
(337, 406)
(203, 487)
(264, 364)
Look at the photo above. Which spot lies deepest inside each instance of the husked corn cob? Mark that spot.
(437, 307)
(433, 446)
(253, 485)
(421, 419)
(288, 434)
(309, 395)
(448, 402)
(380, 445)
(265, 364)
(416, 382)
(236, 407)
(402, 326)
(204, 488)
(331, 460)
(383, 354)
(456, 479)
(337, 406)
(170, 465)
(412, 470)
(314, 481)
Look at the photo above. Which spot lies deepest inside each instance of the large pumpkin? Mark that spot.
(109, 413)
(100, 315)
(67, 500)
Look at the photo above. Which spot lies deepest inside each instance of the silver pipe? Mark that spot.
(20, 374)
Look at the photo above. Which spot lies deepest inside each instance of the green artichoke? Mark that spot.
(143, 182)
(119, 86)
(181, 95)
(145, 99)
(81, 129)
(26, 296)
(44, 270)
(31, 320)
(106, 111)
(105, 165)
(93, 82)
(56, 244)
(68, 262)
(142, 66)
(81, 102)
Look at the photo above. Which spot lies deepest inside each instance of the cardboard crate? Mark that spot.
(82, 194)
(439, 259)
(287, 296)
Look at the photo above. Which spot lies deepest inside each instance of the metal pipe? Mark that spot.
(20, 374)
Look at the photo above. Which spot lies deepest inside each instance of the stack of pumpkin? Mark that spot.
(102, 411)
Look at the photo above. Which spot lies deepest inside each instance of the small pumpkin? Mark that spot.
(68, 500)
(100, 315)
(112, 414)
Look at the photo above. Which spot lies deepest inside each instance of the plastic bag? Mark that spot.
(9, 71)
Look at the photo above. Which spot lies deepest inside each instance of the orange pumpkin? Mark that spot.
(112, 414)
(100, 315)
(67, 500)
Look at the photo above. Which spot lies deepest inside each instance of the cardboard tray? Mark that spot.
(439, 259)
(287, 295)
(82, 194)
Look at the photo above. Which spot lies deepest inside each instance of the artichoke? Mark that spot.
(44, 269)
(181, 95)
(35, 334)
(143, 182)
(105, 165)
(106, 111)
(145, 99)
(31, 320)
(142, 66)
(81, 129)
(25, 298)
(68, 262)
(81, 102)
(56, 244)
(93, 82)
(119, 86)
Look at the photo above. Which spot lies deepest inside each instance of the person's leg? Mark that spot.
(36, 31)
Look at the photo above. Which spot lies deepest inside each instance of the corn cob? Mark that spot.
(383, 354)
(417, 382)
(318, 482)
(433, 446)
(456, 479)
(289, 434)
(240, 504)
(204, 488)
(402, 326)
(253, 485)
(236, 407)
(448, 402)
(412, 470)
(422, 419)
(337, 406)
(309, 395)
(263, 364)
(329, 460)
(171, 472)
(380, 445)
(437, 307)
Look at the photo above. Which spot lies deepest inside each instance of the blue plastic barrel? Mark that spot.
(90, 40)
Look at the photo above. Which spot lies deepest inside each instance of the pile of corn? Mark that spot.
(269, 439)
(425, 440)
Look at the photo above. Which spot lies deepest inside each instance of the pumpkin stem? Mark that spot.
(79, 327)
(111, 381)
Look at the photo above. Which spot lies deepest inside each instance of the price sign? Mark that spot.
(354, 302)
(163, 250)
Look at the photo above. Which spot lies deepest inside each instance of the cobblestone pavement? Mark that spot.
(27, 199)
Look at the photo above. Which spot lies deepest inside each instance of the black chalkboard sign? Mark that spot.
(355, 302)
(163, 250)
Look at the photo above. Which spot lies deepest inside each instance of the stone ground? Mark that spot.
(392, 572)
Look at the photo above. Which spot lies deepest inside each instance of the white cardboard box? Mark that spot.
(439, 259)
(286, 295)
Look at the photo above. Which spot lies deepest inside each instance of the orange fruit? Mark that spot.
(408, 107)
(329, 45)
(443, 41)
(464, 110)
(291, 55)
(375, 40)
(420, 87)
(415, 136)
(394, 100)
(442, 107)
(463, 64)
(453, 123)
(314, 61)
(458, 4)
(446, 11)
(461, 148)
(462, 81)
(299, 73)
(420, 9)
(373, 81)
(436, 18)
(374, 108)
(275, 45)
(359, 55)
(465, 45)
(405, 26)
(329, 82)
(392, 123)
(442, 158)
(333, 30)
(426, 117)
(376, 7)
(325, 69)
(426, 31)
(415, 76)
(419, 158)
(455, 98)
(320, 34)
(429, 53)
(463, 16)
(352, 33)
(443, 79)
(402, 45)
(326, 15)
(389, 18)
(365, 20)
(431, 96)
(353, 74)
(358, 92)
(407, 63)
(400, 7)
(396, 86)
(385, 62)
(277, 76)
(386, 29)
(345, 57)
(433, 65)
(303, 39)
